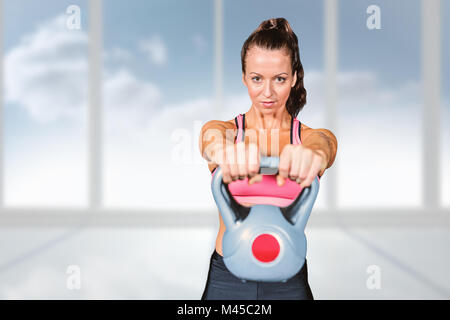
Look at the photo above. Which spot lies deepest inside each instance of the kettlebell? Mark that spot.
(264, 242)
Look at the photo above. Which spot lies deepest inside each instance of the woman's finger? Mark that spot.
(313, 172)
(255, 179)
(253, 160)
(241, 160)
(231, 161)
(280, 180)
(226, 177)
(285, 161)
(305, 164)
(294, 171)
(284, 164)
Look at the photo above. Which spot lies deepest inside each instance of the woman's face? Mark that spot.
(268, 77)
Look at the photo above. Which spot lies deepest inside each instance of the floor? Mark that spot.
(150, 263)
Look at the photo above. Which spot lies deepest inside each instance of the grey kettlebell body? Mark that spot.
(264, 242)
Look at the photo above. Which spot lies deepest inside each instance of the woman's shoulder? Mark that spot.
(306, 131)
(304, 126)
(219, 124)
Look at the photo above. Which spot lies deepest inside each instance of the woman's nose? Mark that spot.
(267, 89)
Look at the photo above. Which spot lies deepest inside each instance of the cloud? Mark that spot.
(118, 55)
(56, 175)
(128, 100)
(155, 49)
(199, 43)
(46, 72)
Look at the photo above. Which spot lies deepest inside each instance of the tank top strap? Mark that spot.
(240, 125)
(296, 131)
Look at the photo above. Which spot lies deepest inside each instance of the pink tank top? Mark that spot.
(267, 191)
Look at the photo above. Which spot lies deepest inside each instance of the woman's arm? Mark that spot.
(322, 141)
(217, 146)
(304, 162)
(214, 135)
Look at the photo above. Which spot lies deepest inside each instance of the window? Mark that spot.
(157, 93)
(445, 94)
(45, 80)
(380, 104)
(163, 77)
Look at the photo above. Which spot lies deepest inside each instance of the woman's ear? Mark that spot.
(295, 79)
(243, 79)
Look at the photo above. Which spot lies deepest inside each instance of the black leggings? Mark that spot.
(223, 285)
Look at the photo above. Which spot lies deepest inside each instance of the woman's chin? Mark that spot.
(271, 109)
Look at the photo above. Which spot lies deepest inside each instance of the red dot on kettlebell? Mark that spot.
(265, 248)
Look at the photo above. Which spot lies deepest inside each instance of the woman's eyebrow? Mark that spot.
(275, 75)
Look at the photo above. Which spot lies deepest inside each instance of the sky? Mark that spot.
(158, 89)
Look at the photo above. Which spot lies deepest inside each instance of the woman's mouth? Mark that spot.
(267, 103)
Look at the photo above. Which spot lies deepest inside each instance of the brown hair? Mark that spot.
(274, 34)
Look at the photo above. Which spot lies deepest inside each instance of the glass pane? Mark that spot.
(306, 20)
(445, 94)
(379, 104)
(46, 65)
(157, 92)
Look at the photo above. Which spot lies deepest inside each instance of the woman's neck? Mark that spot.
(255, 119)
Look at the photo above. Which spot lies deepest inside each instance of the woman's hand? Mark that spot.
(300, 164)
(238, 161)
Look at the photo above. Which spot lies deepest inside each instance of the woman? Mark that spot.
(273, 75)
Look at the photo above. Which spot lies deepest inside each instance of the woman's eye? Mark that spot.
(278, 78)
